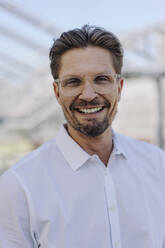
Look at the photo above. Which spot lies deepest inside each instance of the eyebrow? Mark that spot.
(102, 72)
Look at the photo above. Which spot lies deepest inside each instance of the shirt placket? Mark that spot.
(112, 209)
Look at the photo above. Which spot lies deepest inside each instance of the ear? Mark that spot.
(56, 92)
(120, 87)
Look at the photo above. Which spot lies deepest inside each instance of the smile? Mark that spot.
(90, 111)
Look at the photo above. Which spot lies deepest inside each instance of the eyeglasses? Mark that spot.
(101, 83)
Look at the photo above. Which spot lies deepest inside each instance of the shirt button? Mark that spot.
(112, 208)
(117, 243)
(105, 172)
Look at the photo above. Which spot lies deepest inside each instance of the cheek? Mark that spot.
(113, 97)
(65, 103)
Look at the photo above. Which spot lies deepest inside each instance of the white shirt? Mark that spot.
(59, 196)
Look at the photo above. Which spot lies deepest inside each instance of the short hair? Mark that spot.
(82, 38)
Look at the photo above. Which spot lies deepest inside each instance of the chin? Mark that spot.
(93, 129)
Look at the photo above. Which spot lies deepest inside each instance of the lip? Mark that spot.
(90, 114)
(88, 107)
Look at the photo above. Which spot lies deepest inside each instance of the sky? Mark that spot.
(116, 15)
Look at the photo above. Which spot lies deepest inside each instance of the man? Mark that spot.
(89, 187)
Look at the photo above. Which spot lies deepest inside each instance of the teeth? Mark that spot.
(88, 111)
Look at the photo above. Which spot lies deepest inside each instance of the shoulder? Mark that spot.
(11, 195)
(33, 164)
(37, 157)
(141, 149)
(146, 159)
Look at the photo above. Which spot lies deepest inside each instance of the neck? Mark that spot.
(100, 145)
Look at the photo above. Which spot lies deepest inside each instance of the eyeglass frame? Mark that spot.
(116, 76)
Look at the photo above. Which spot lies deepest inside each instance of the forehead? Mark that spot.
(89, 60)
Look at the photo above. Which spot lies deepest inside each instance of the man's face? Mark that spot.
(88, 112)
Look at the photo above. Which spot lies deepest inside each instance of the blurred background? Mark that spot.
(29, 113)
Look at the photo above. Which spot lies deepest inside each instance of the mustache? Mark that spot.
(83, 103)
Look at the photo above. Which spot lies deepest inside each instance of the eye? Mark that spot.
(102, 79)
(71, 82)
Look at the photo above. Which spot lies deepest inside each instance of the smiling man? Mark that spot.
(89, 95)
(89, 187)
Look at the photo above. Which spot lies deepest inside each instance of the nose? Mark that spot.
(88, 92)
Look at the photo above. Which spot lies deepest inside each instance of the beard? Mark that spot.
(92, 127)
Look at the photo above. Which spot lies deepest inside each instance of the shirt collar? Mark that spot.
(118, 144)
(75, 155)
(71, 150)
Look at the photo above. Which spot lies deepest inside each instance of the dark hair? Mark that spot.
(81, 38)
